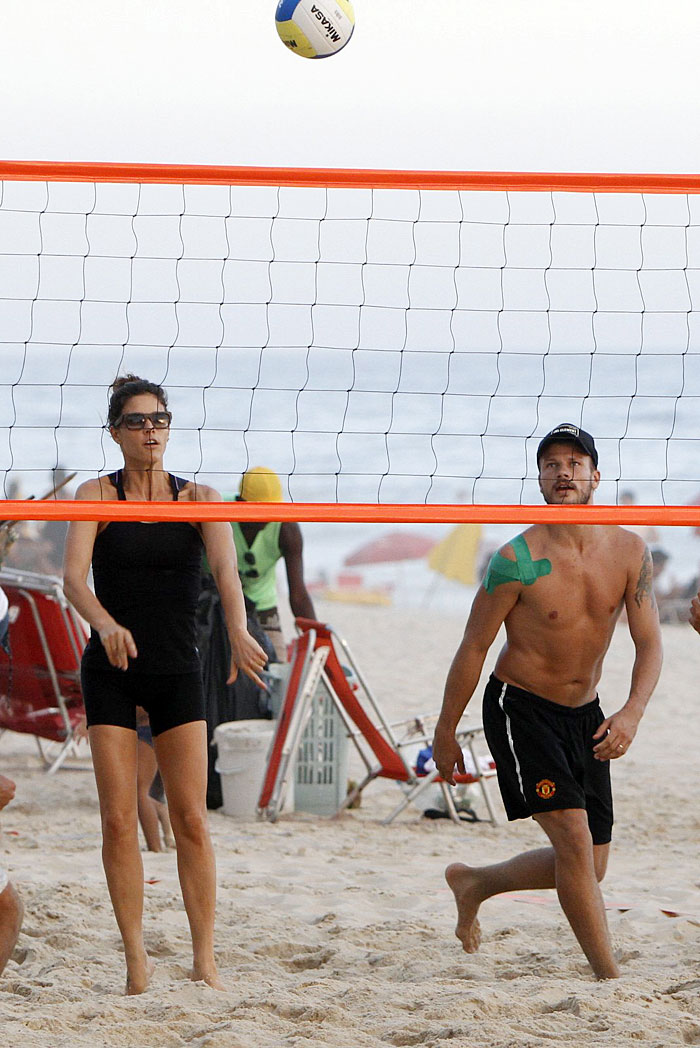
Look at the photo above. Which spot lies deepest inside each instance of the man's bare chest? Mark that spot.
(578, 586)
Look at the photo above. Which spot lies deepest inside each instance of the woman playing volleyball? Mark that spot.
(142, 652)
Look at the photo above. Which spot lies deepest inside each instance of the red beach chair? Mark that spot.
(385, 749)
(40, 680)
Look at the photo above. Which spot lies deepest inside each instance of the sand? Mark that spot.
(341, 933)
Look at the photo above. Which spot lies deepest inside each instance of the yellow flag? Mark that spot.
(455, 556)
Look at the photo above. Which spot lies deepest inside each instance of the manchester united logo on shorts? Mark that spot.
(545, 789)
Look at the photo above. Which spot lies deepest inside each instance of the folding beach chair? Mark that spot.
(385, 749)
(40, 679)
(306, 666)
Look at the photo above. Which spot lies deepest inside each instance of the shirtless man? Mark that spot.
(559, 589)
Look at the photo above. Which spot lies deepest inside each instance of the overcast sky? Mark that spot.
(606, 85)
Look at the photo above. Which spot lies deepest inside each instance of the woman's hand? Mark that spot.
(118, 644)
(246, 655)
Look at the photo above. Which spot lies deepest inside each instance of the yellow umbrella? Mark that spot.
(455, 555)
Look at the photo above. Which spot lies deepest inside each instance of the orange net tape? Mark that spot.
(346, 178)
(348, 513)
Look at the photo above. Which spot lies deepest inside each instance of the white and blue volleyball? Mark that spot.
(315, 28)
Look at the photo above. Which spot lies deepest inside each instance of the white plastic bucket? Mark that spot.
(241, 763)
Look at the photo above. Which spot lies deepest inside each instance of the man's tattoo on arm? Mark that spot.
(645, 580)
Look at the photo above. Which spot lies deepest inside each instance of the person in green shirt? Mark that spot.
(259, 546)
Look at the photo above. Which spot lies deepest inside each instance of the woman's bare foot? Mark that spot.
(464, 883)
(138, 975)
(209, 975)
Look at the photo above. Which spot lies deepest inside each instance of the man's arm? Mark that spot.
(617, 732)
(488, 612)
(292, 547)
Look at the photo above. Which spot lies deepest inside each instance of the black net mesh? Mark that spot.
(369, 345)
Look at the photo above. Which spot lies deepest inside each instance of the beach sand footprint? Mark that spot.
(407, 1038)
(296, 956)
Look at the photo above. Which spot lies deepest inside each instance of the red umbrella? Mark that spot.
(397, 545)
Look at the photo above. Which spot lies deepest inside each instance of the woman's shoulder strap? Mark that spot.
(117, 481)
(176, 485)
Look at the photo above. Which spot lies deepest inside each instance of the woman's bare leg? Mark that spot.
(114, 758)
(182, 758)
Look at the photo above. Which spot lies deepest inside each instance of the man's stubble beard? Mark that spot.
(583, 497)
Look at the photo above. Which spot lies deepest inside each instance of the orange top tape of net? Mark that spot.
(347, 513)
(348, 178)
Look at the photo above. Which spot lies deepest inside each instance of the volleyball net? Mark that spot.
(393, 344)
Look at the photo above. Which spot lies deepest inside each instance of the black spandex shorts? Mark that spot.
(170, 699)
(544, 756)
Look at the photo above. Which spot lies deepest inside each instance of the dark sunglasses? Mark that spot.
(137, 419)
(252, 573)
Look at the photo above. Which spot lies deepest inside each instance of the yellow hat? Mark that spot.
(260, 485)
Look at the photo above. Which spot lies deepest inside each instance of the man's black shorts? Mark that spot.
(544, 756)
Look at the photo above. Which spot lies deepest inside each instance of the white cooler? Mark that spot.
(241, 762)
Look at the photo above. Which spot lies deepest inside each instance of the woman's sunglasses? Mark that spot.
(137, 419)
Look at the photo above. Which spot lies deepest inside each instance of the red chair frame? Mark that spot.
(381, 751)
(40, 692)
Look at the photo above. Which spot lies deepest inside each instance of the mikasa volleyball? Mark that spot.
(315, 28)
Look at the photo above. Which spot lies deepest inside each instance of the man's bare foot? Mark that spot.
(209, 975)
(463, 882)
(139, 976)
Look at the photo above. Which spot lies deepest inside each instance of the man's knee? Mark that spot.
(568, 832)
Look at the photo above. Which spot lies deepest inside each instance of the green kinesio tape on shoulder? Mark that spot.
(523, 569)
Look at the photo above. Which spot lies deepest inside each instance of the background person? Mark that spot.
(11, 906)
(647, 532)
(259, 546)
(695, 613)
(152, 807)
(559, 590)
(226, 701)
(4, 622)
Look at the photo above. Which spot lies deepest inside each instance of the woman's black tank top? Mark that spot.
(147, 576)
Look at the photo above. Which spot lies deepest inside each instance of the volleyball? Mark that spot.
(315, 28)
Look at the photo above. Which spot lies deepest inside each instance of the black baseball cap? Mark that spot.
(567, 433)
